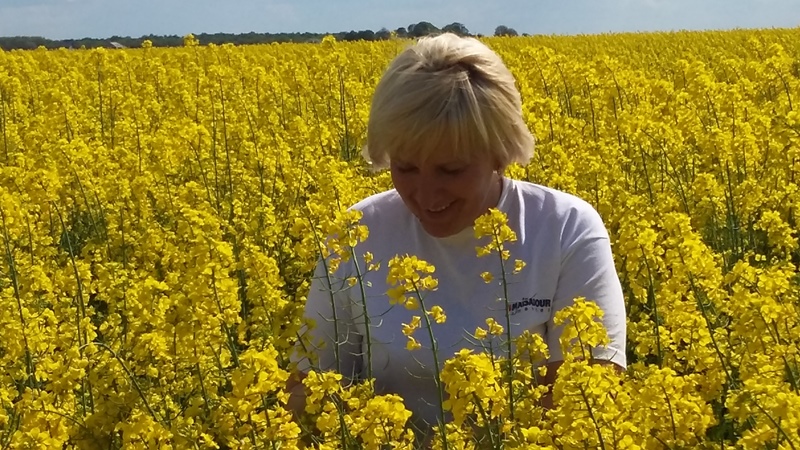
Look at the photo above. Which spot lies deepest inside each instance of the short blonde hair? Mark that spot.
(447, 94)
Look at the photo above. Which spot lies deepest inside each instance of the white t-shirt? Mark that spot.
(561, 238)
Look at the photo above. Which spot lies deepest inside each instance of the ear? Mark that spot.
(499, 167)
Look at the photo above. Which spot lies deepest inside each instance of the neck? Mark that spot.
(497, 191)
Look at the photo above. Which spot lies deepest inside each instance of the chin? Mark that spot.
(437, 233)
(442, 231)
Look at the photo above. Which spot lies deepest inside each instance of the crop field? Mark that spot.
(162, 211)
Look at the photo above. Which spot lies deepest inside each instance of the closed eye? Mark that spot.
(452, 170)
(405, 169)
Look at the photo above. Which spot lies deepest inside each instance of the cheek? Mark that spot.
(403, 183)
(467, 185)
(473, 188)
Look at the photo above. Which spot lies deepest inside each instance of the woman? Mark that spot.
(446, 120)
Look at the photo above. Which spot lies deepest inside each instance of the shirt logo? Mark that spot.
(530, 303)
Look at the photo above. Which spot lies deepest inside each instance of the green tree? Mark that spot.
(457, 28)
(422, 29)
(503, 30)
(383, 34)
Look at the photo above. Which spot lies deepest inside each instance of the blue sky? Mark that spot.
(61, 19)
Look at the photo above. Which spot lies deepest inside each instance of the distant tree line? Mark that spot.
(414, 30)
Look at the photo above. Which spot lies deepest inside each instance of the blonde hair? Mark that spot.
(447, 94)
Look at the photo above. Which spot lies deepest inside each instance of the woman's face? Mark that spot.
(446, 194)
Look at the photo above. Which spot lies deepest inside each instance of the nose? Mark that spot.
(427, 180)
(430, 189)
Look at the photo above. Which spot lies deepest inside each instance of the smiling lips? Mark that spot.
(438, 213)
(439, 209)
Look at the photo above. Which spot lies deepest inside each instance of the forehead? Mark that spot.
(446, 160)
(439, 150)
(421, 159)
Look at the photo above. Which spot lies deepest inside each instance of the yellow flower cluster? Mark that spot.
(162, 212)
(353, 416)
(407, 275)
(493, 224)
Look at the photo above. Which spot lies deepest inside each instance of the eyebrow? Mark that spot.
(448, 164)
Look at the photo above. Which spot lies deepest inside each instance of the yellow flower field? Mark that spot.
(161, 212)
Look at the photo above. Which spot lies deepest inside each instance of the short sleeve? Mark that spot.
(587, 270)
(331, 329)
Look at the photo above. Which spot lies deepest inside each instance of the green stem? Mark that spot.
(486, 420)
(437, 375)
(324, 263)
(269, 422)
(130, 377)
(510, 366)
(776, 424)
(651, 299)
(671, 414)
(594, 420)
(367, 338)
(228, 333)
(81, 310)
(31, 378)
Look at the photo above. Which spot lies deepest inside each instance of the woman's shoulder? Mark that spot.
(546, 197)
(381, 207)
(569, 211)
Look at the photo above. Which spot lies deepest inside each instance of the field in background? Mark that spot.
(161, 211)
